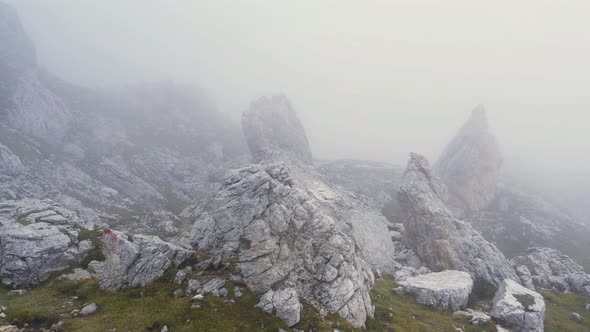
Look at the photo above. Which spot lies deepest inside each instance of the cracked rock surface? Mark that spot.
(38, 238)
(134, 260)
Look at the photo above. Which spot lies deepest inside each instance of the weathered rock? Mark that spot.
(197, 297)
(272, 127)
(470, 165)
(77, 275)
(237, 292)
(177, 293)
(88, 309)
(213, 285)
(478, 317)
(179, 277)
(193, 285)
(519, 308)
(445, 290)
(549, 268)
(38, 238)
(134, 260)
(441, 241)
(281, 233)
(283, 304)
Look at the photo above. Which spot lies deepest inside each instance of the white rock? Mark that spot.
(518, 316)
(88, 309)
(446, 290)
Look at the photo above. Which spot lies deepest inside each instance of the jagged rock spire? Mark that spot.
(272, 128)
(470, 164)
(441, 241)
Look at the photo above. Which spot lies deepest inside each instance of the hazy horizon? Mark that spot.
(369, 80)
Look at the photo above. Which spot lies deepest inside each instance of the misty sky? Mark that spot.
(370, 79)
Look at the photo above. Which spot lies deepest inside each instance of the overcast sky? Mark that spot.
(370, 79)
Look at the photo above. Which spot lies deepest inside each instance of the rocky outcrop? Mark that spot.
(284, 239)
(272, 127)
(470, 164)
(519, 308)
(550, 268)
(37, 239)
(134, 260)
(446, 290)
(441, 241)
(283, 304)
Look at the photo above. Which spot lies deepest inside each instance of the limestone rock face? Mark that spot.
(441, 241)
(470, 165)
(519, 308)
(284, 239)
(38, 238)
(550, 268)
(272, 127)
(446, 290)
(134, 260)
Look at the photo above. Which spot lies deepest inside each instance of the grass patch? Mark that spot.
(558, 317)
(526, 300)
(138, 309)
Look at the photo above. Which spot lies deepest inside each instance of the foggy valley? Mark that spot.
(294, 166)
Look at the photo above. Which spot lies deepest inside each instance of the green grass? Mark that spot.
(147, 309)
(526, 300)
(558, 317)
(152, 307)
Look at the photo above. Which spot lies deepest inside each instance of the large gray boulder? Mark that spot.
(37, 239)
(272, 127)
(283, 304)
(519, 308)
(470, 165)
(445, 290)
(441, 241)
(550, 268)
(282, 236)
(134, 260)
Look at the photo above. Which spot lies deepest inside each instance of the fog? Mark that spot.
(370, 79)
